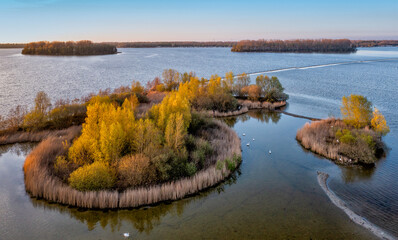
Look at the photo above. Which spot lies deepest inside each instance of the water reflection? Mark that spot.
(264, 116)
(350, 174)
(143, 219)
(18, 149)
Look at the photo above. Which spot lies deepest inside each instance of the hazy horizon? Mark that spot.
(176, 20)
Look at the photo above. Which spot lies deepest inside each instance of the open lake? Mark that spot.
(271, 196)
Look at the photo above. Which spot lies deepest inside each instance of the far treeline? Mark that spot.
(171, 44)
(299, 45)
(375, 43)
(80, 48)
(12, 45)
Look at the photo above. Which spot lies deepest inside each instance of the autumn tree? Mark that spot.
(185, 77)
(379, 123)
(252, 92)
(356, 110)
(136, 87)
(37, 118)
(229, 81)
(171, 79)
(175, 132)
(242, 81)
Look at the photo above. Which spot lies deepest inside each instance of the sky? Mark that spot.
(206, 20)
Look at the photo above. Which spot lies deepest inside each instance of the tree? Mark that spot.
(137, 88)
(252, 92)
(175, 132)
(147, 138)
(242, 81)
(356, 110)
(229, 81)
(186, 77)
(379, 123)
(37, 118)
(171, 79)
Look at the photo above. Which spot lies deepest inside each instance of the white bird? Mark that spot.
(248, 144)
(244, 134)
(126, 235)
(269, 151)
(253, 139)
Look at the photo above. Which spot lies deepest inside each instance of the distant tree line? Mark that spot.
(12, 45)
(80, 48)
(172, 44)
(299, 45)
(375, 43)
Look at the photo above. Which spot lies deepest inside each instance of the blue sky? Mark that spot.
(206, 20)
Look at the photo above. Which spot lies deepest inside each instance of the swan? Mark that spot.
(126, 235)
(269, 151)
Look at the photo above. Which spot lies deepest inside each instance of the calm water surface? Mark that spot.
(271, 196)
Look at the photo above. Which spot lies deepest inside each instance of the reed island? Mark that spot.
(137, 145)
(354, 139)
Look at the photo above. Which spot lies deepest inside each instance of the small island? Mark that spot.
(355, 139)
(296, 46)
(137, 145)
(80, 48)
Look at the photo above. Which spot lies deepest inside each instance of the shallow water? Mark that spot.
(272, 196)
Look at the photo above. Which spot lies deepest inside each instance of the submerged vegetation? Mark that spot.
(299, 45)
(357, 138)
(80, 48)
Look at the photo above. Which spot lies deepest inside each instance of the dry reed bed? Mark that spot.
(41, 183)
(246, 106)
(313, 136)
(22, 137)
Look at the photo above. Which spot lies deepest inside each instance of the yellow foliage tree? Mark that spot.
(175, 132)
(147, 138)
(172, 103)
(379, 123)
(356, 110)
(106, 134)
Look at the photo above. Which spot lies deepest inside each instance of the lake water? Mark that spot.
(271, 196)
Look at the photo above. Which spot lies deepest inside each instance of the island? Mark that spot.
(137, 145)
(80, 48)
(355, 139)
(298, 46)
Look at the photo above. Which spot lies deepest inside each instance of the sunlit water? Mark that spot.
(272, 196)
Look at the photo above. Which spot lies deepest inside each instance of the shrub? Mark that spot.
(345, 136)
(190, 168)
(135, 170)
(230, 164)
(93, 177)
(63, 168)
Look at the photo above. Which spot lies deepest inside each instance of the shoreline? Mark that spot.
(41, 183)
(377, 231)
